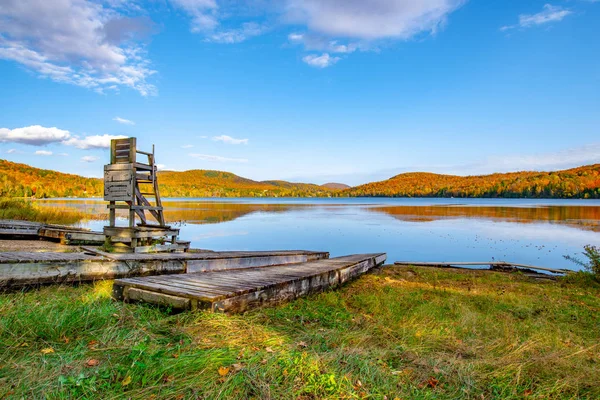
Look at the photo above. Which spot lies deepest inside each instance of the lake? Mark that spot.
(528, 231)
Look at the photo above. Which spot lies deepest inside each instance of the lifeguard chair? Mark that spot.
(127, 180)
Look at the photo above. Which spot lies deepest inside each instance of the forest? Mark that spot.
(581, 183)
(21, 180)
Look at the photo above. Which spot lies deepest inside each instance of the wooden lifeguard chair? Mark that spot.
(128, 181)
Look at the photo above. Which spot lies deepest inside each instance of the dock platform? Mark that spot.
(20, 268)
(241, 289)
(37, 230)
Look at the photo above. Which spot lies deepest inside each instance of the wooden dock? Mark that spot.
(63, 234)
(19, 268)
(241, 289)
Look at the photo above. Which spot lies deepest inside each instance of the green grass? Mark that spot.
(401, 333)
(27, 211)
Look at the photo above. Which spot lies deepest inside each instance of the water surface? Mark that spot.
(528, 231)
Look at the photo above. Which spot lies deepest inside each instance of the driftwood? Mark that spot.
(500, 265)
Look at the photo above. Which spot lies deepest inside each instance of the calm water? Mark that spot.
(527, 231)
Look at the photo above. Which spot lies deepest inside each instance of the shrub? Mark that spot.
(592, 262)
(27, 211)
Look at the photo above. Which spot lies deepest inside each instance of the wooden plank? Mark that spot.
(242, 262)
(143, 167)
(35, 268)
(133, 294)
(138, 232)
(214, 280)
(161, 288)
(176, 285)
(120, 166)
(113, 151)
(161, 248)
(120, 175)
(19, 232)
(216, 290)
(98, 252)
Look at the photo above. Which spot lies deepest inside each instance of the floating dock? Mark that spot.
(31, 268)
(241, 289)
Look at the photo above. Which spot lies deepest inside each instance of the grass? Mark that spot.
(27, 211)
(400, 333)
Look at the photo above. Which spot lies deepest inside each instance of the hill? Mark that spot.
(21, 180)
(338, 186)
(581, 182)
(207, 183)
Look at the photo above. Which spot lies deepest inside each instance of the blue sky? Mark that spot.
(304, 90)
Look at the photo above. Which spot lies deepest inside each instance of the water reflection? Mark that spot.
(584, 217)
(202, 211)
(526, 231)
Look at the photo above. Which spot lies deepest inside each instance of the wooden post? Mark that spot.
(112, 218)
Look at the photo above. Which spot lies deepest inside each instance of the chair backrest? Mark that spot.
(122, 151)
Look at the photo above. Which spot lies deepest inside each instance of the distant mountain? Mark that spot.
(337, 186)
(21, 180)
(581, 182)
(207, 183)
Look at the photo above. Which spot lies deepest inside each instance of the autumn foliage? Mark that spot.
(21, 180)
(582, 182)
(207, 183)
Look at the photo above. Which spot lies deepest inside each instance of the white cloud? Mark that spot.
(229, 140)
(78, 42)
(35, 135)
(548, 14)
(12, 151)
(295, 37)
(320, 43)
(92, 142)
(335, 47)
(549, 161)
(568, 158)
(322, 61)
(203, 137)
(43, 153)
(63, 154)
(202, 12)
(247, 30)
(332, 26)
(187, 146)
(89, 159)
(207, 157)
(371, 19)
(123, 121)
